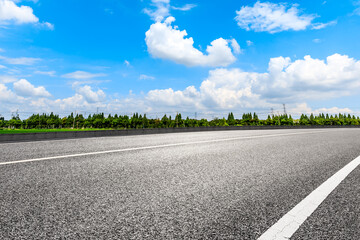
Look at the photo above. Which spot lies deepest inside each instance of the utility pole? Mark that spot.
(195, 115)
(272, 112)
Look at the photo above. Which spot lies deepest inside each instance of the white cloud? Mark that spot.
(186, 7)
(224, 89)
(90, 95)
(7, 79)
(249, 43)
(127, 63)
(318, 26)
(235, 46)
(146, 77)
(309, 78)
(76, 84)
(84, 99)
(165, 98)
(48, 25)
(317, 40)
(161, 9)
(26, 89)
(167, 42)
(20, 61)
(228, 89)
(18, 1)
(285, 81)
(333, 110)
(6, 95)
(10, 12)
(303, 108)
(272, 17)
(48, 73)
(28, 98)
(83, 75)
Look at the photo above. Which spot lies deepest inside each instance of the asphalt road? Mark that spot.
(206, 185)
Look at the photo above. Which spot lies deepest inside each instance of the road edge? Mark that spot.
(21, 137)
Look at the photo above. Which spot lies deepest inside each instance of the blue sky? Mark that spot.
(162, 56)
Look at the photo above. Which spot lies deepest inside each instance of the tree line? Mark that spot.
(78, 121)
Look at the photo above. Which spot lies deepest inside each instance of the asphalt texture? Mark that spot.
(233, 189)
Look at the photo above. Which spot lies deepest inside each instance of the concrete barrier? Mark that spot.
(128, 132)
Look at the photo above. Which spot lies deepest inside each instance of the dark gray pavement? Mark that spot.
(338, 217)
(233, 189)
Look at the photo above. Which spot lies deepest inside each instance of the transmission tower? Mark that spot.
(284, 108)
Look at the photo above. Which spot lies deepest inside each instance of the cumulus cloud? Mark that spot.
(83, 75)
(167, 42)
(165, 98)
(26, 89)
(6, 95)
(309, 78)
(303, 108)
(272, 17)
(10, 13)
(224, 89)
(85, 99)
(28, 98)
(90, 95)
(285, 81)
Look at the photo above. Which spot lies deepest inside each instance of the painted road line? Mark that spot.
(158, 146)
(290, 222)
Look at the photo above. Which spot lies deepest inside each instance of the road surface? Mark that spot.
(204, 185)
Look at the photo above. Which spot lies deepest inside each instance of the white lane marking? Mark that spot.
(290, 222)
(157, 146)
